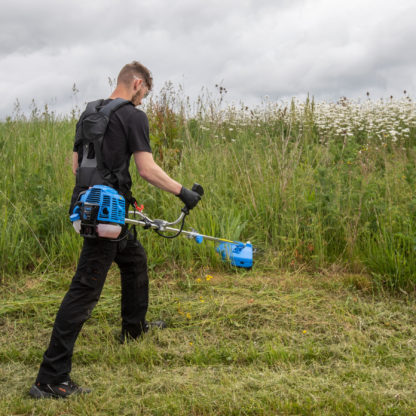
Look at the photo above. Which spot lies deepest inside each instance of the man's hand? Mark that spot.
(188, 197)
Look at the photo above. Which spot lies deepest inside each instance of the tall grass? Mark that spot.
(311, 184)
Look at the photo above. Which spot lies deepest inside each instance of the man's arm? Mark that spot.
(151, 172)
(74, 162)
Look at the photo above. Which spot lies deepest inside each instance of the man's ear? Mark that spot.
(137, 83)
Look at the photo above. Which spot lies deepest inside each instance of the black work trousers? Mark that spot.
(83, 294)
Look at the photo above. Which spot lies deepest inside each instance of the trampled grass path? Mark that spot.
(237, 344)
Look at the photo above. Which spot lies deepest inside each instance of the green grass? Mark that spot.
(323, 324)
(312, 185)
(243, 343)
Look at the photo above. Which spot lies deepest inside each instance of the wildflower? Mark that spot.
(201, 299)
(191, 343)
(198, 280)
(208, 277)
(188, 315)
(304, 331)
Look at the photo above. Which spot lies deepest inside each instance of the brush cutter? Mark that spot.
(100, 212)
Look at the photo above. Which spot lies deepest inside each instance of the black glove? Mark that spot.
(188, 197)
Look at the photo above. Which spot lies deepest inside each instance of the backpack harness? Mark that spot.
(92, 171)
(90, 134)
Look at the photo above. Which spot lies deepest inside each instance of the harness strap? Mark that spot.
(107, 110)
(93, 164)
(92, 170)
(112, 106)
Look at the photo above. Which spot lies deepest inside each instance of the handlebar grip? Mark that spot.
(196, 187)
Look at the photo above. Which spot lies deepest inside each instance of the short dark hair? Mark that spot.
(129, 71)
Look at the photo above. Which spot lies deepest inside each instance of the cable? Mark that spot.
(173, 236)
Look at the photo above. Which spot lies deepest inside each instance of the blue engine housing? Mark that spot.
(99, 204)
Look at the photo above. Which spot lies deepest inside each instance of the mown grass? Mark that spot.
(241, 343)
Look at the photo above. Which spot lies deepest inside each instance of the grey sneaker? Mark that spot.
(155, 324)
(56, 391)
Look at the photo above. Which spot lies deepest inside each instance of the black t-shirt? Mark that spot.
(127, 132)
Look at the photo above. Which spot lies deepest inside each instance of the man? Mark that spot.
(127, 134)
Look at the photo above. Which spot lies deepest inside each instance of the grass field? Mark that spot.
(311, 184)
(237, 344)
(324, 323)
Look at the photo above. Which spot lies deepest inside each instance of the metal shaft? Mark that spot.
(189, 233)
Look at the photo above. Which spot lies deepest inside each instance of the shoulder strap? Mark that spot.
(107, 110)
(98, 124)
(113, 105)
(93, 107)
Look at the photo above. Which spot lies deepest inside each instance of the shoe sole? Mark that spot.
(157, 326)
(36, 393)
(39, 394)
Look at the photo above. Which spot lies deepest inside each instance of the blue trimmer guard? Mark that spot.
(237, 253)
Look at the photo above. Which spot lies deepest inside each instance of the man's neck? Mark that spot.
(120, 92)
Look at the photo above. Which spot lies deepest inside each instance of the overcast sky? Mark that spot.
(254, 48)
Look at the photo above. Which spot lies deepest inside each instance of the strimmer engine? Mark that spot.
(99, 212)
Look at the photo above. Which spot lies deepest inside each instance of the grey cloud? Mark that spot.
(334, 54)
(255, 48)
